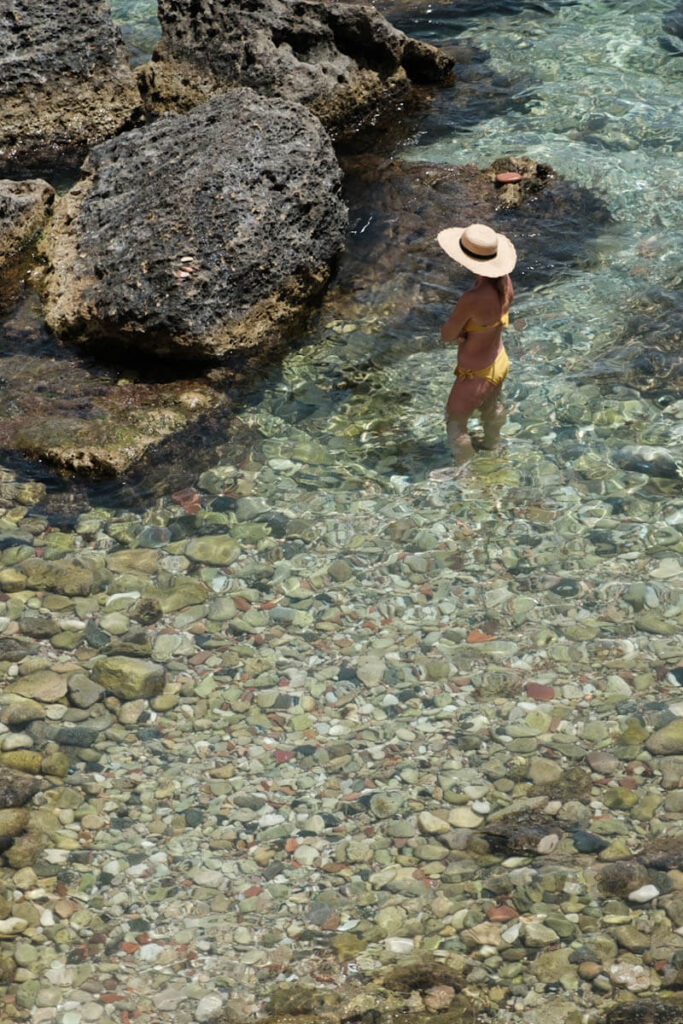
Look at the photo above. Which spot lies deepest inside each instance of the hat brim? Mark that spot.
(502, 263)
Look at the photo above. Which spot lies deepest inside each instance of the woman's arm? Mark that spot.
(453, 328)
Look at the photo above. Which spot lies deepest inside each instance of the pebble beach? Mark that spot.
(295, 753)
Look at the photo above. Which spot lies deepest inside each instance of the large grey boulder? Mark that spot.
(65, 81)
(200, 234)
(23, 208)
(342, 60)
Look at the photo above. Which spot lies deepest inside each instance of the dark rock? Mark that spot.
(647, 1011)
(23, 208)
(202, 234)
(16, 788)
(76, 736)
(565, 588)
(643, 458)
(65, 82)
(574, 784)
(664, 854)
(672, 23)
(146, 611)
(342, 60)
(648, 354)
(621, 877)
(586, 842)
(95, 636)
(519, 833)
(420, 973)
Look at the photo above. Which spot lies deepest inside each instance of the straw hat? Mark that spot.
(479, 248)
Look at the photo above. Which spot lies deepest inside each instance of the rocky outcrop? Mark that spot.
(23, 209)
(199, 235)
(672, 23)
(65, 82)
(342, 60)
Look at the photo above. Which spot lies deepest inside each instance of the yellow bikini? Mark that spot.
(495, 373)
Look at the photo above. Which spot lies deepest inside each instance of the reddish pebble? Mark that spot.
(537, 691)
(508, 177)
(254, 890)
(476, 636)
(502, 913)
(291, 845)
(188, 494)
(283, 755)
(111, 997)
(128, 947)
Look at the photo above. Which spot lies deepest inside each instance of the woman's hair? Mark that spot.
(503, 286)
(499, 283)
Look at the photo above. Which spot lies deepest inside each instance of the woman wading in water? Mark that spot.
(476, 324)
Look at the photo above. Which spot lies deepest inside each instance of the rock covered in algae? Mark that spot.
(129, 678)
(648, 1011)
(23, 208)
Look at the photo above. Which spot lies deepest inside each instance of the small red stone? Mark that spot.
(283, 755)
(476, 636)
(501, 913)
(508, 177)
(254, 890)
(111, 997)
(537, 691)
(291, 845)
(128, 947)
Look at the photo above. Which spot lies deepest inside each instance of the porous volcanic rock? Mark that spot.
(342, 60)
(23, 208)
(65, 81)
(200, 234)
(16, 788)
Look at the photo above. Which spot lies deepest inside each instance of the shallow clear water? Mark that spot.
(590, 90)
(556, 560)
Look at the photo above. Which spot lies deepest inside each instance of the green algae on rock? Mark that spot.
(129, 678)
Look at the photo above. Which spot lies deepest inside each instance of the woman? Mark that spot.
(477, 324)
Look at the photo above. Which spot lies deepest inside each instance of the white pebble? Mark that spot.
(399, 945)
(548, 843)
(150, 952)
(208, 1007)
(644, 894)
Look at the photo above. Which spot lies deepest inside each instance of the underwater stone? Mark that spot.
(129, 678)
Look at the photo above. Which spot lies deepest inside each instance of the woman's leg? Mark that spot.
(458, 439)
(492, 416)
(466, 396)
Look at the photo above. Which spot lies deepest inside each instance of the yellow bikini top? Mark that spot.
(471, 326)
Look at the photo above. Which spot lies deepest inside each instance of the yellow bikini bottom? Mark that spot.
(495, 373)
